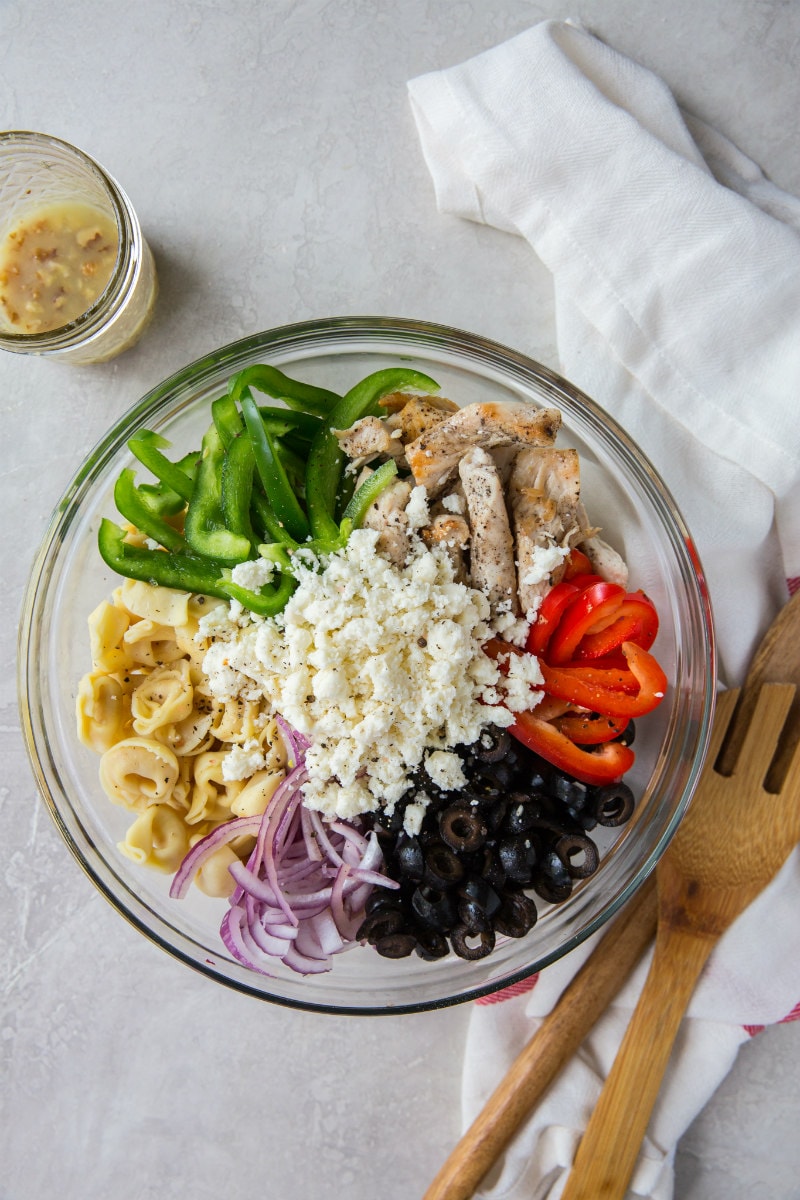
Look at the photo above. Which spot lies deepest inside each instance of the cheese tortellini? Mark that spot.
(180, 761)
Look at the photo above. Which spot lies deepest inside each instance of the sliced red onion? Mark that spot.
(354, 836)
(305, 965)
(203, 850)
(232, 933)
(323, 841)
(312, 845)
(296, 743)
(300, 897)
(327, 933)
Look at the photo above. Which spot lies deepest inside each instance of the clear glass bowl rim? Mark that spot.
(361, 331)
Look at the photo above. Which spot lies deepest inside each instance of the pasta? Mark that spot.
(103, 710)
(158, 838)
(138, 771)
(179, 760)
(163, 698)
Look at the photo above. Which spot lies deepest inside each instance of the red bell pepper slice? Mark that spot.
(589, 689)
(549, 615)
(582, 580)
(635, 620)
(596, 603)
(606, 765)
(590, 729)
(577, 563)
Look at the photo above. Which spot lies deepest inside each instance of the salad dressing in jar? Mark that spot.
(77, 279)
(54, 264)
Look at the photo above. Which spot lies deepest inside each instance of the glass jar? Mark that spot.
(40, 174)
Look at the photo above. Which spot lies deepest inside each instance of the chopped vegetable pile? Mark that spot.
(372, 675)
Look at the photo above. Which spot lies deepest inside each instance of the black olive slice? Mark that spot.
(613, 804)
(517, 915)
(480, 892)
(518, 855)
(383, 899)
(522, 815)
(396, 945)
(487, 782)
(493, 813)
(379, 925)
(462, 828)
(578, 854)
(409, 857)
(431, 944)
(470, 944)
(551, 879)
(583, 819)
(569, 791)
(493, 745)
(442, 868)
(492, 869)
(434, 908)
(473, 917)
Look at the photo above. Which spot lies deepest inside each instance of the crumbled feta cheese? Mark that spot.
(545, 560)
(414, 814)
(417, 510)
(376, 664)
(511, 628)
(520, 688)
(453, 503)
(444, 768)
(253, 574)
(241, 762)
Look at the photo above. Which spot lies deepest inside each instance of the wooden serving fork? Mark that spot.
(739, 830)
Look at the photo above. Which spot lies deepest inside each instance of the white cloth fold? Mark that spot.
(676, 269)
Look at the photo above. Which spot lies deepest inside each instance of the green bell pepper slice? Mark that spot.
(134, 508)
(236, 492)
(272, 472)
(147, 447)
(369, 491)
(303, 396)
(227, 420)
(185, 572)
(268, 601)
(205, 529)
(326, 459)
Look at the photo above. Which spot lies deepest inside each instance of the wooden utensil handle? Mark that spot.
(610, 1146)
(559, 1036)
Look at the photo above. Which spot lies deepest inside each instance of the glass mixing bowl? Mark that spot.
(623, 493)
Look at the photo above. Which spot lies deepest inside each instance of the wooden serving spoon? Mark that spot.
(738, 833)
(602, 976)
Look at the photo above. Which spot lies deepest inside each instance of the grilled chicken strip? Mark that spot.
(434, 457)
(397, 400)
(544, 495)
(387, 514)
(491, 561)
(369, 438)
(604, 558)
(417, 417)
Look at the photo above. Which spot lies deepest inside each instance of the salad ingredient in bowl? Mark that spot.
(372, 673)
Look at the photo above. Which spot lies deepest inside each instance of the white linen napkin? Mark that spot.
(676, 268)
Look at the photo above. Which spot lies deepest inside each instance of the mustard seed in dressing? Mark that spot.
(54, 263)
